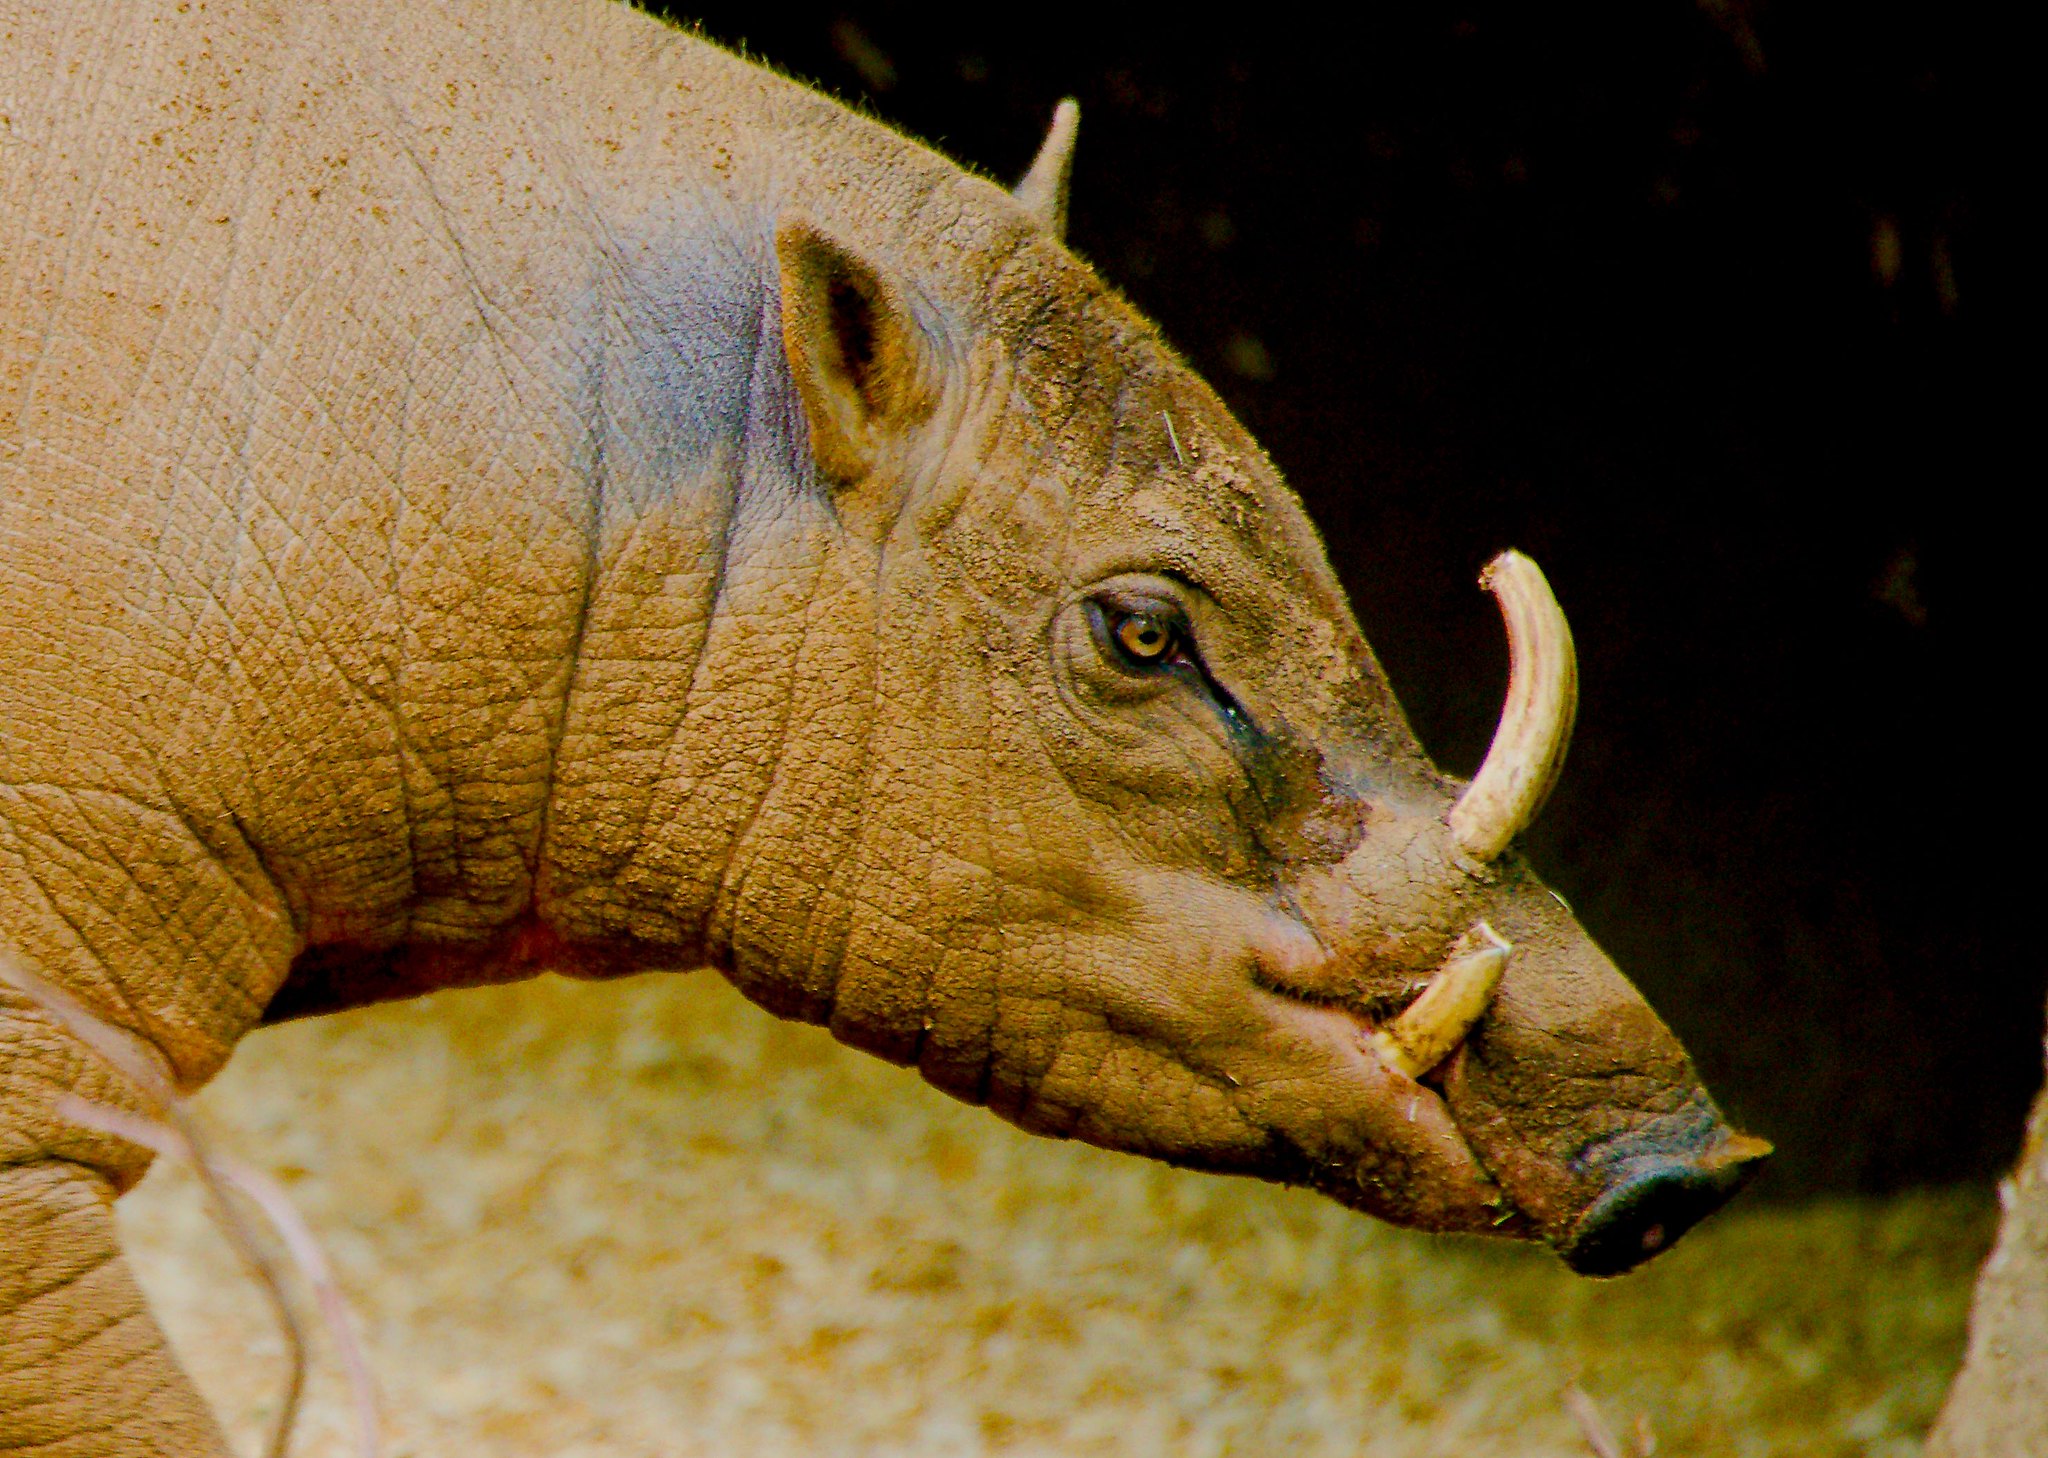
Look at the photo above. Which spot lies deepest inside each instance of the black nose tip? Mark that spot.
(1656, 1200)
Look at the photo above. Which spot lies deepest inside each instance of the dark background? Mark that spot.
(1690, 301)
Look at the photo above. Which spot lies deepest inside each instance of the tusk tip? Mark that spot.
(1433, 1026)
(1738, 1150)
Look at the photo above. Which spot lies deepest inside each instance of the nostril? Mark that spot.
(1656, 1200)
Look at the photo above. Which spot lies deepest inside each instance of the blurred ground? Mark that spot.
(646, 1219)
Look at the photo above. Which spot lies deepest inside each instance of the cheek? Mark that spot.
(1167, 958)
(1115, 1091)
(1126, 1030)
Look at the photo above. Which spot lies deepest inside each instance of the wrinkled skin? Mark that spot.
(510, 489)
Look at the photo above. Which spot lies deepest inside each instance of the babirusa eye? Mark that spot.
(1146, 637)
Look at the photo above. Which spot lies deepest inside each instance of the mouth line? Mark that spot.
(1415, 1037)
(1418, 1034)
(1370, 1012)
(1358, 1034)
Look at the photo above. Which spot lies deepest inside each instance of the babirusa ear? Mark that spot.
(855, 350)
(1044, 188)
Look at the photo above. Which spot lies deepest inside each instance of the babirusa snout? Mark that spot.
(1456, 998)
(1528, 748)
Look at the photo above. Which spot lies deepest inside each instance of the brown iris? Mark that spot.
(1146, 637)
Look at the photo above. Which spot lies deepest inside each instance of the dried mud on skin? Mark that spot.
(646, 1219)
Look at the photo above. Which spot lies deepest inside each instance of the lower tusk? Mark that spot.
(1456, 998)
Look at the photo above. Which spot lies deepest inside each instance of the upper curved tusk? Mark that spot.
(1043, 190)
(1535, 726)
(1456, 998)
